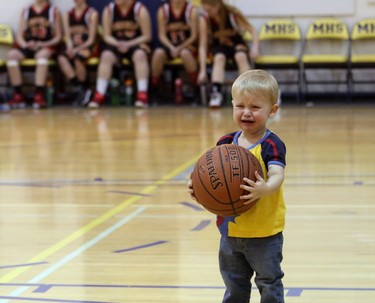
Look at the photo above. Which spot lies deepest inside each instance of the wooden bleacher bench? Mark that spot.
(6, 42)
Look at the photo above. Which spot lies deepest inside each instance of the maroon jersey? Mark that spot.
(39, 24)
(178, 26)
(125, 26)
(79, 25)
(229, 35)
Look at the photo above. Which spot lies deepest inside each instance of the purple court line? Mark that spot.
(48, 300)
(23, 265)
(291, 291)
(294, 292)
(194, 206)
(98, 181)
(203, 224)
(141, 246)
(129, 193)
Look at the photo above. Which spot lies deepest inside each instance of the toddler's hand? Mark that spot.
(256, 189)
(190, 188)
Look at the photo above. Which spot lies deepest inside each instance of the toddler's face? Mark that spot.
(251, 112)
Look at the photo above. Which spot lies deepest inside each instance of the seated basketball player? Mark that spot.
(178, 32)
(80, 29)
(126, 33)
(38, 35)
(223, 26)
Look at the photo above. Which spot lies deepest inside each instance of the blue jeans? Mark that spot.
(239, 258)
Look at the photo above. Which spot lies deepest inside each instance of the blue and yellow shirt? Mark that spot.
(267, 216)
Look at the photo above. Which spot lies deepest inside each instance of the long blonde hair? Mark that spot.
(226, 9)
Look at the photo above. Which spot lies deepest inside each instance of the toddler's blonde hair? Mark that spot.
(256, 82)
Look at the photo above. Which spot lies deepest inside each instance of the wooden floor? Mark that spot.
(94, 206)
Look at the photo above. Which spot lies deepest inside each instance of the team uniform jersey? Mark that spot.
(225, 40)
(125, 26)
(178, 27)
(39, 25)
(79, 25)
(267, 216)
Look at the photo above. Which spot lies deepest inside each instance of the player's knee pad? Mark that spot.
(12, 63)
(42, 61)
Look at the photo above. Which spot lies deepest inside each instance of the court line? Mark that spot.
(140, 246)
(203, 224)
(102, 235)
(126, 193)
(21, 265)
(95, 223)
(194, 206)
(77, 252)
(290, 290)
(48, 300)
(66, 205)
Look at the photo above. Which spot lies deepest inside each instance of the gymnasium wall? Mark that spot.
(303, 11)
(258, 12)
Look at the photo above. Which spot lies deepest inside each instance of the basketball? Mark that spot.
(217, 177)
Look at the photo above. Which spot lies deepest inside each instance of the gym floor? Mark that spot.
(94, 205)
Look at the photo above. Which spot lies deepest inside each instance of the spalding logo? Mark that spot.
(214, 179)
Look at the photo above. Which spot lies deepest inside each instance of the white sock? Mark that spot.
(142, 85)
(101, 86)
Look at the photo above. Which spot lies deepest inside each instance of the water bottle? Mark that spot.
(178, 96)
(50, 93)
(115, 93)
(4, 107)
(203, 93)
(129, 92)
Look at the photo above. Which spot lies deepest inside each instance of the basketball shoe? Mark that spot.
(82, 97)
(18, 101)
(216, 100)
(142, 100)
(39, 101)
(97, 100)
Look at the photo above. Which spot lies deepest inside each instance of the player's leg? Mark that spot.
(41, 73)
(190, 64)
(107, 60)
(158, 59)
(242, 60)
(83, 90)
(217, 79)
(142, 73)
(14, 72)
(191, 67)
(66, 66)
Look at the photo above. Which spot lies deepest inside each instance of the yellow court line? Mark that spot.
(98, 221)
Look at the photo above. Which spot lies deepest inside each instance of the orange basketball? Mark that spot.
(217, 177)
